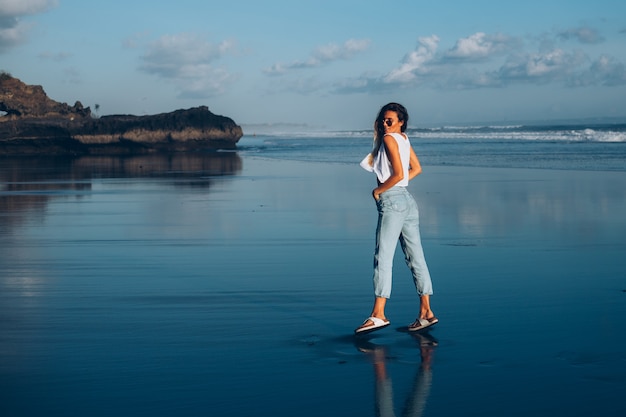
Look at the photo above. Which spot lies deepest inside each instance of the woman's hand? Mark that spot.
(376, 194)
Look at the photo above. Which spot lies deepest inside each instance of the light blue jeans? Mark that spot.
(398, 219)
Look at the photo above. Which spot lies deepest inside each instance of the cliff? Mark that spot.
(36, 124)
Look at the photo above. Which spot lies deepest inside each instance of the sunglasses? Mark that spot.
(388, 122)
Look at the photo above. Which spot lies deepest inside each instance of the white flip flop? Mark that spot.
(376, 324)
(421, 324)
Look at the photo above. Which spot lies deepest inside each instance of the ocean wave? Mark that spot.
(586, 135)
(608, 133)
(599, 133)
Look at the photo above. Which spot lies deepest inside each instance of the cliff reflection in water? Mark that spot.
(28, 183)
(17, 170)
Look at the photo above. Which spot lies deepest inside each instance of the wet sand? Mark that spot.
(231, 286)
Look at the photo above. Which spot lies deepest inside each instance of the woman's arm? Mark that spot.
(397, 173)
(415, 168)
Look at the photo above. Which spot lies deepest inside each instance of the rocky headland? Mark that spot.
(34, 124)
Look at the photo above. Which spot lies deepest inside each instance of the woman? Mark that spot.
(395, 164)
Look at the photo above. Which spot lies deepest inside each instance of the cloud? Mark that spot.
(415, 63)
(333, 52)
(481, 46)
(542, 67)
(491, 61)
(606, 71)
(13, 31)
(369, 84)
(426, 65)
(189, 61)
(582, 34)
(570, 69)
(322, 55)
(16, 8)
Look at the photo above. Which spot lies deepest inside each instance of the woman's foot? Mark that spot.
(372, 323)
(422, 323)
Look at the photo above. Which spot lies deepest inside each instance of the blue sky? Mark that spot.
(325, 64)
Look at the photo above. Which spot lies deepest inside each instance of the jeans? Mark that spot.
(398, 219)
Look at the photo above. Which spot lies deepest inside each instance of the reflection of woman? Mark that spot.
(418, 396)
(395, 163)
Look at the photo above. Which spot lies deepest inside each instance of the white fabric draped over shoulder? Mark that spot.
(380, 164)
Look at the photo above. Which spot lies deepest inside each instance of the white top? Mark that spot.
(381, 165)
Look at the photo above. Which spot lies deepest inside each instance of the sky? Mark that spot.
(325, 64)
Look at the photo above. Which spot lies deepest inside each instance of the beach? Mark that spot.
(230, 284)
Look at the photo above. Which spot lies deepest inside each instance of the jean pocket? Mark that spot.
(395, 203)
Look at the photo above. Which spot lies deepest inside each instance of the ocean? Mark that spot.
(600, 147)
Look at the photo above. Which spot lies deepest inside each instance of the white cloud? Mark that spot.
(490, 61)
(16, 8)
(480, 46)
(189, 61)
(416, 62)
(12, 35)
(13, 31)
(542, 67)
(322, 55)
(571, 69)
(201, 81)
